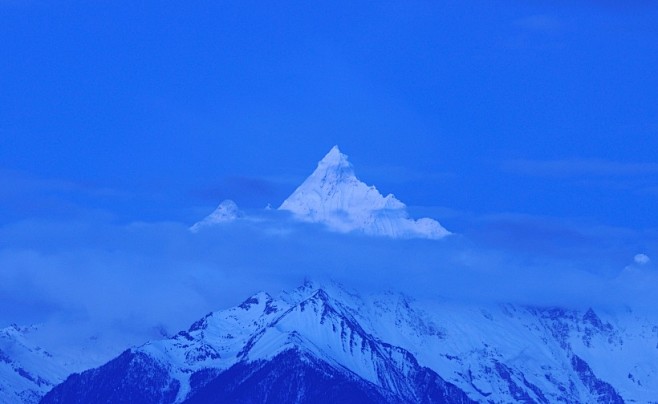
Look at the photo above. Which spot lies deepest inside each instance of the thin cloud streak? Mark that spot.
(541, 23)
(578, 168)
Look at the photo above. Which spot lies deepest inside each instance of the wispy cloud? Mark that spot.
(25, 195)
(16, 3)
(246, 191)
(541, 23)
(615, 5)
(399, 174)
(147, 276)
(543, 237)
(578, 168)
(13, 182)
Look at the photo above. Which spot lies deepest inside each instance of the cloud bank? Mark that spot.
(142, 280)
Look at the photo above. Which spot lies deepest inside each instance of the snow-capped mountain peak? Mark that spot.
(247, 353)
(335, 159)
(334, 196)
(227, 211)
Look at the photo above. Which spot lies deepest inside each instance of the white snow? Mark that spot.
(334, 196)
(227, 211)
(468, 345)
(26, 370)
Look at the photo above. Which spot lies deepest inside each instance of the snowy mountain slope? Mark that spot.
(505, 353)
(227, 211)
(387, 348)
(314, 335)
(334, 196)
(26, 370)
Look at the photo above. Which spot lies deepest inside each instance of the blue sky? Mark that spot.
(157, 112)
(528, 128)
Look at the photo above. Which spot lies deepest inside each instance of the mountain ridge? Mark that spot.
(392, 348)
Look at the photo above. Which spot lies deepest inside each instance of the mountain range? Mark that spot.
(325, 343)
